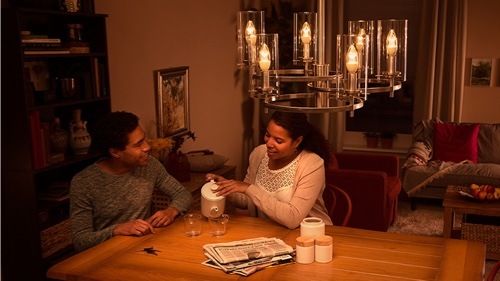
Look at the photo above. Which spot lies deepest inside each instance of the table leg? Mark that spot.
(448, 222)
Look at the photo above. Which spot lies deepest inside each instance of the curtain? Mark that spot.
(441, 60)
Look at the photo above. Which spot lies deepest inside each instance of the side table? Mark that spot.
(161, 201)
(455, 204)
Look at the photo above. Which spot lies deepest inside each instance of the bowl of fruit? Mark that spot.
(483, 192)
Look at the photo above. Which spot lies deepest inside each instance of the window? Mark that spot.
(380, 112)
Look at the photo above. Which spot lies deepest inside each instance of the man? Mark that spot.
(113, 196)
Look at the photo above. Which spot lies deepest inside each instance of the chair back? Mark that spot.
(338, 204)
(494, 271)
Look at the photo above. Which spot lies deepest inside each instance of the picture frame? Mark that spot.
(172, 101)
(480, 72)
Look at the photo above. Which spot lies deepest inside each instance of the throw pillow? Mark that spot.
(455, 142)
(206, 163)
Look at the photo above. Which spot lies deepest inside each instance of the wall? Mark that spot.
(148, 35)
(480, 104)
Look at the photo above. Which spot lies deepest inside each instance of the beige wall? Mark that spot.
(481, 104)
(147, 35)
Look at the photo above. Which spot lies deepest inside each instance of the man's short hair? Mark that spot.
(112, 130)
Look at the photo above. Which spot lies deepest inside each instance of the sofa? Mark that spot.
(450, 153)
(372, 182)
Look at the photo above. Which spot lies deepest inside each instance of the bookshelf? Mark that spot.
(35, 228)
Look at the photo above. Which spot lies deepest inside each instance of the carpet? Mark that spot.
(427, 220)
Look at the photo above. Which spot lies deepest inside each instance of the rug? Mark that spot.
(426, 220)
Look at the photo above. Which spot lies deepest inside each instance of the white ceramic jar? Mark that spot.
(312, 227)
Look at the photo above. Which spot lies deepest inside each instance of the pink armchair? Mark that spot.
(373, 184)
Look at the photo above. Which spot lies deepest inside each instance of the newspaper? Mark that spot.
(246, 257)
(248, 249)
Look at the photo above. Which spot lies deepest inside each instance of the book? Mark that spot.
(40, 40)
(39, 160)
(97, 76)
(47, 52)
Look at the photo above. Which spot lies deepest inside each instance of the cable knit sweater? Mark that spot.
(100, 200)
(307, 190)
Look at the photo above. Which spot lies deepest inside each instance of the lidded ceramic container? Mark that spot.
(212, 206)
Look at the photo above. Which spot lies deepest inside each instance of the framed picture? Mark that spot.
(480, 72)
(172, 101)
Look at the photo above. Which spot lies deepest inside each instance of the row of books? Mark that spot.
(41, 44)
(40, 144)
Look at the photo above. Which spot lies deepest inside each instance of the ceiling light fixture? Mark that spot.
(361, 67)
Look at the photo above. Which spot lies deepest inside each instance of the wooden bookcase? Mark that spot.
(25, 218)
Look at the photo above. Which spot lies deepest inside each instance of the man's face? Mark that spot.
(136, 152)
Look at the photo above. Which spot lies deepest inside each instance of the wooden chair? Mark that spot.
(494, 271)
(338, 204)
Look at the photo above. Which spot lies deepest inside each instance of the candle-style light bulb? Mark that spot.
(391, 43)
(305, 37)
(360, 40)
(352, 59)
(251, 38)
(264, 57)
(250, 35)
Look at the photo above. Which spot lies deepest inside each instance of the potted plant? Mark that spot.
(387, 139)
(371, 138)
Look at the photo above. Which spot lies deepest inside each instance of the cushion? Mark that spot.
(206, 163)
(488, 145)
(455, 142)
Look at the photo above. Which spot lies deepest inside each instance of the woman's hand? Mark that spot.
(227, 187)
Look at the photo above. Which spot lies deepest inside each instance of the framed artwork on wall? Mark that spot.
(480, 72)
(172, 101)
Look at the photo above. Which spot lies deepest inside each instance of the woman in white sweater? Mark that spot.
(286, 175)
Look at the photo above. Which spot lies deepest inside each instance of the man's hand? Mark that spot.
(163, 217)
(137, 227)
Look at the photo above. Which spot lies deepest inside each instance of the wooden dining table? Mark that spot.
(357, 255)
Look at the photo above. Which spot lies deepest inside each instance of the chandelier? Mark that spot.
(363, 64)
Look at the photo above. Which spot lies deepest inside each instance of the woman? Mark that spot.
(286, 175)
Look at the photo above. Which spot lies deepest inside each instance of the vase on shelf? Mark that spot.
(79, 137)
(58, 138)
(177, 165)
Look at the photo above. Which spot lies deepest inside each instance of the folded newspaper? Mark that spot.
(245, 257)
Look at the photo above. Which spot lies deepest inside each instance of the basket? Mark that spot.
(55, 238)
(487, 234)
(160, 201)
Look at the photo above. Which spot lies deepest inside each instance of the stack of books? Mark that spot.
(41, 44)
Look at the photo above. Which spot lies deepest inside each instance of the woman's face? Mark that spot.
(280, 146)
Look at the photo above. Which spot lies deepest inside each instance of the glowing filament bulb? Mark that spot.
(391, 43)
(360, 38)
(264, 58)
(352, 59)
(250, 35)
(305, 37)
(305, 33)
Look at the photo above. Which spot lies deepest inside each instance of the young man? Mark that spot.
(113, 196)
